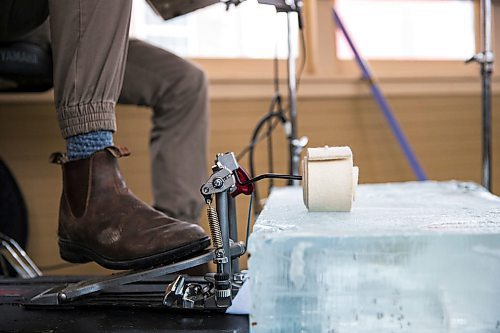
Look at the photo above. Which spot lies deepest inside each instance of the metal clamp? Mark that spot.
(222, 178)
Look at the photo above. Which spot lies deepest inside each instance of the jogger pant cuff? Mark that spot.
(85, 118)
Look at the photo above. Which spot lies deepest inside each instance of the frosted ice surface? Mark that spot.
(411, 257)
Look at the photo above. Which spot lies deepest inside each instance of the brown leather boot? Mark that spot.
(101, 220)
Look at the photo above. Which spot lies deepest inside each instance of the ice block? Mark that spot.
(411, 257)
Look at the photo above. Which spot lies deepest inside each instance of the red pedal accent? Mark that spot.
(242, 177)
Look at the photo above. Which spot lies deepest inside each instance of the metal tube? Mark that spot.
(233, 230)
(486, 181)
(292, 98)
(222, 211)
(486, 72)
(16, 262)
(486, 15)
(17, 252)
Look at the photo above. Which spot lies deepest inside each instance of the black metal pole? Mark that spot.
(486, 127)
(292, 100)
(486, 73)
(486, 58)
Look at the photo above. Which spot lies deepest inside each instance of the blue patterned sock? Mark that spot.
(83, 145)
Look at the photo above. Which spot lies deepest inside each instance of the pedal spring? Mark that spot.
(213, 222)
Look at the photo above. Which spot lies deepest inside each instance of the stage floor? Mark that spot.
(15, 317)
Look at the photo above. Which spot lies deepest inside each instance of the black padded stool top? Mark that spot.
(25, 67)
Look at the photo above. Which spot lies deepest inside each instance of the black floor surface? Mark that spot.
(16, 317)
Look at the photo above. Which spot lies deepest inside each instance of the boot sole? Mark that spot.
(78, 254)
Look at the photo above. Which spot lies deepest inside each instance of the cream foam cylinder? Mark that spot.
(329, 179)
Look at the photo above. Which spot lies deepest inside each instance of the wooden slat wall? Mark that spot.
(444, 131)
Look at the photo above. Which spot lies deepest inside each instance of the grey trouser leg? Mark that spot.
(176, 90)
(89, 44)
(89, 39)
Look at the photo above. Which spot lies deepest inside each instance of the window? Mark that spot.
(250, 30)
(408, 29)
